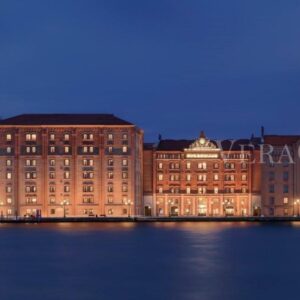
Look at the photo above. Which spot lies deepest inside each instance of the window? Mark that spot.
(244, 177)
(8, 162)
(52, 136)
(124, 136)
(285, 200)
(160, 189)
(285, 176)
(202, 177)
(52, 211)
(30, 137)
(271, 188)
(110, 162)
(8, 189)
(188, 165)
(52, 175)
(88, 175)
(188, 177)
(8, 137)
(8, 150)
(110, 199)
(88, 162)
(188, 189)
(52, 149)
(110, 149)
(9, 200)
(31, 149)
(52, 188)
(66, 136)
(124, 188)
(285, 188)
(8, 175)
(271, 175)
(30, 189)
(110, 137)
(201, 190)
(124, 175)
(124, 149)
(66, 188)
(52, 162)
(88, 149)
(124, 162)
(67, 149)
(216, 166)
(202, 165)
(87, 188)
(88, 199)
(88, 136)
(110, 175)
(160, 177)
(31, 200)
(160, 165)
(110, 188)
(66, 162)
(52, 200)
(272, 200)
(244, 189)
(216, 177)
(216, 190)
(66, 175)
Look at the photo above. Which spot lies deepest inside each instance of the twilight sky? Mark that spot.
(172, 67)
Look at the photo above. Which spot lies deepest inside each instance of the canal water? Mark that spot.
(150, 261)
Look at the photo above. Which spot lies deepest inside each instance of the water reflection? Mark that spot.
(153, 260)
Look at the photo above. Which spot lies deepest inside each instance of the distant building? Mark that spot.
(203, 178)
(281, 176)
(73, 164)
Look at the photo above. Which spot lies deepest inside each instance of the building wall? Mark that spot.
(77, 170)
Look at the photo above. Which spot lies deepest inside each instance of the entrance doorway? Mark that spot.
(148, 212)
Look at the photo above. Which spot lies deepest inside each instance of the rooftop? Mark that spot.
(64, 119)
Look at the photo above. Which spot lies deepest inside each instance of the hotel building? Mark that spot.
(202, 178)
(70, 164)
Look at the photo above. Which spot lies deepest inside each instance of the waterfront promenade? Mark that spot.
(137, 219)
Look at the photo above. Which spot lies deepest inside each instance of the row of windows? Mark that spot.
(285, 188)
(202, 177)
(285, 176)
(202, 190)
(201, 165)
(32, 137)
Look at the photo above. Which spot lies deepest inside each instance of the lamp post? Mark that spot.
(297, 202)
(169, 207)
(157, 208)
(128, 202)
(63, 204)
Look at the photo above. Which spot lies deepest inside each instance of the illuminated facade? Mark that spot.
(204, 178)
(73, 165)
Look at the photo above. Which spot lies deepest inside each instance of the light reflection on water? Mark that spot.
(150, 261)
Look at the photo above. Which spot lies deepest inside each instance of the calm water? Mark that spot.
(150, 261)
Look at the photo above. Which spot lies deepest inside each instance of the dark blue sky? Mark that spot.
(172, 67)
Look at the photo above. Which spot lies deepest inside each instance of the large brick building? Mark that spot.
(203, 177)
(73, 164)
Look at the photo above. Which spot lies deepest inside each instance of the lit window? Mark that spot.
(30, 137)
(8, 175)
(52, 175)
(66, 136)
(8, 149)
(124, 149)
(110, 137)
(67, 149)
(8, 189)
(124, 162)
(124, 175)
(52, 137)
(110, 188)
(8, 162)
(216, 190)
(188, 165)
(188, 177)
(110, 162)
(244, 177)
(66, 175)
(66, 188)
(52, 162)
(124, 136)
(8, 137)
(9, 200)
(188, 190)
(124, 188)
(285, 200)
(160, 165)
(160, 177)
(66, 162)
(110, 175)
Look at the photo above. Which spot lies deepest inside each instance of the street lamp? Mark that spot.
(63, 204)
(297, 202)
(128, 202)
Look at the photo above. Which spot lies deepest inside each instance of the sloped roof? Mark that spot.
(64, 119)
